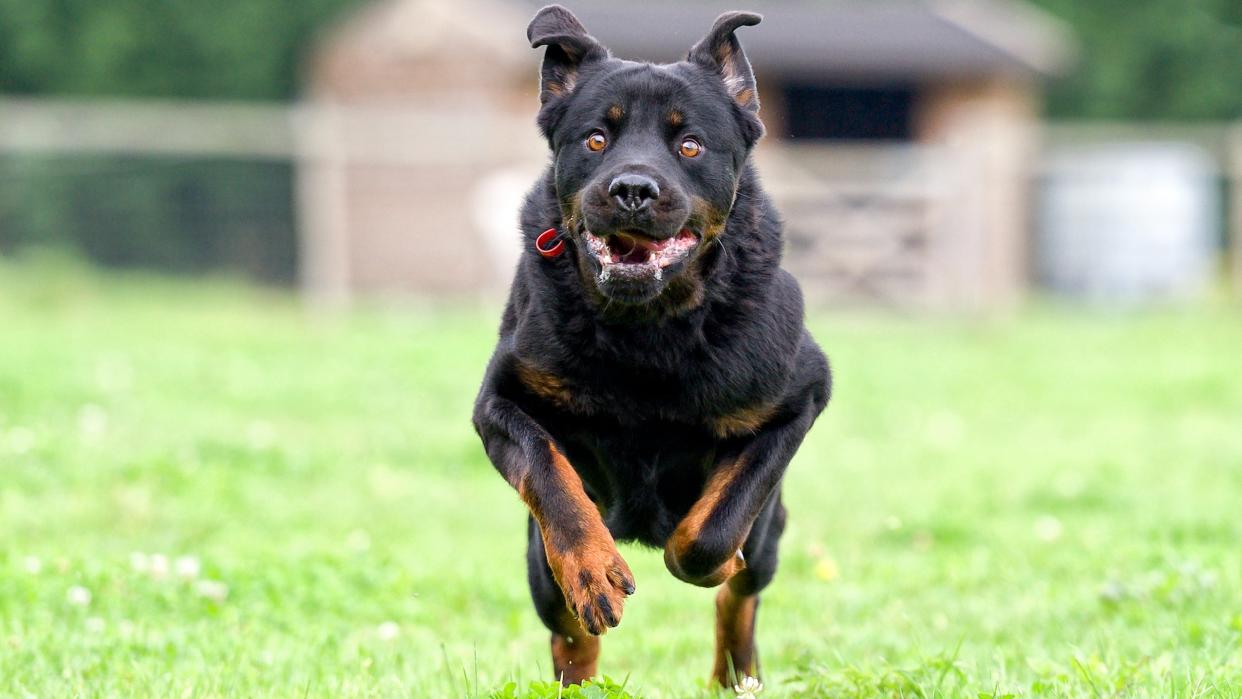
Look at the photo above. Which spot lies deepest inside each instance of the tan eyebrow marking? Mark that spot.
(615, 112)
(675, 118)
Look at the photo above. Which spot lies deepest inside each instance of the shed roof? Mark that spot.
(900, 39)
(842, 40)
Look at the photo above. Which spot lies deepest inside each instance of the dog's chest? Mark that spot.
(692, 387)
(644, 479)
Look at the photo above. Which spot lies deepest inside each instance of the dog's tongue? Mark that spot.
(635, 249)
(632, 250)
(635, 242)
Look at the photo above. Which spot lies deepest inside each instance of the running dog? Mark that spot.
(653, 376)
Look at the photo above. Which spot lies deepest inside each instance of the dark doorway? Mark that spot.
(849, 113)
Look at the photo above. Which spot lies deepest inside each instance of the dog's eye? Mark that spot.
(690, 148)
(597, 141)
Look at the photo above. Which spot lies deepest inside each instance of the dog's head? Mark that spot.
(647, 158)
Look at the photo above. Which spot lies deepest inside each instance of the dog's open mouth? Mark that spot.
(634, 252)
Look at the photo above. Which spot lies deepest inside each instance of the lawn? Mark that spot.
(204, 491)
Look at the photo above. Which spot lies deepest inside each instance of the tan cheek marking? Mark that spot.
(574, 216)
(745, 421)
(686, 291)
(713, 219)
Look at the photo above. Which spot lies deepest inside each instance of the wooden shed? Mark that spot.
(899, 138)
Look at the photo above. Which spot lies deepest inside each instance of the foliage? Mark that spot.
(177, 215)
(224, 49)
(1167, 59)
(606, 688)
(205, 492)
(1170, 60)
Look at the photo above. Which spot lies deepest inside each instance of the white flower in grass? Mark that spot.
(261, 435)
(78, 596)
(387, 631)
(114, 375)
(21, 440)
(32, 565)
(92, 421)
(158, 565)
(213, 590)
(188, 567)
(95, 624)
(358, 541)
(139, 562)
(1048, 528)
(748, 687)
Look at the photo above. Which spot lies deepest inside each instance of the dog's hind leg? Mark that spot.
(574, 651)
(737, 602)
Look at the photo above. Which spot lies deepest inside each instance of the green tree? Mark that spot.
(224, 49)
(1153, 59)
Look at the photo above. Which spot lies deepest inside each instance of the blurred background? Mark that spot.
(954, 154)
(1019, 225)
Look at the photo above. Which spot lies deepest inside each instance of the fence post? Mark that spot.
(1233, 171)
(322, 209)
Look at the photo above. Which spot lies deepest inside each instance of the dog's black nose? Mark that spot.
(633, 192)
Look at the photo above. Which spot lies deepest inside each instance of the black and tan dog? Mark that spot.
(653, 376)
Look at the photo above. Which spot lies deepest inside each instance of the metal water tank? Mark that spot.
(1128, 223)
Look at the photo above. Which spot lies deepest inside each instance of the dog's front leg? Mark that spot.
(580, 550)
(705, 549)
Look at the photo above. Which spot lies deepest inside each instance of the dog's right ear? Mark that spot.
(569, 48)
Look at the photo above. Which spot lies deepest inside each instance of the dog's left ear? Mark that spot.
(721, 52)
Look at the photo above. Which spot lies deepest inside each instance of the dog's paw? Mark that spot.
(595, 581)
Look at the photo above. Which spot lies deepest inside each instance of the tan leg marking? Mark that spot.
(691, 528)
(575, 653)
(748, 420)
(580, 551)
(735, 636)
(544, 384)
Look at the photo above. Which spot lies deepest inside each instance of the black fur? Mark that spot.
(640, 373)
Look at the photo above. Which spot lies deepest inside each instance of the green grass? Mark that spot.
(1043, 505)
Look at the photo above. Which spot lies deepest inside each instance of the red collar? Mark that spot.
(550, 243)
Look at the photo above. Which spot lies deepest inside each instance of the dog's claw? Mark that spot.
(605, 608)
(623, 580)
(589, 624)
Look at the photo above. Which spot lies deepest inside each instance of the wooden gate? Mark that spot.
(864, 226)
